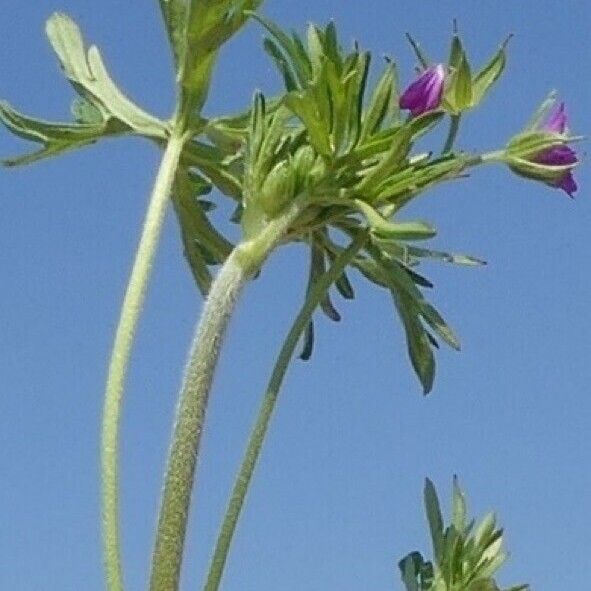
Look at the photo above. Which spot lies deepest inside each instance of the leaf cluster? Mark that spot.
(466, 555)
(345, 148)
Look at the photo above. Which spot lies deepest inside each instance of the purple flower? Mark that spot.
(425, 93)
(560, 155)
(556, 122)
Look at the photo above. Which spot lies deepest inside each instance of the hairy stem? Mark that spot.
(245, 259)
(255, 444)
(124, 338)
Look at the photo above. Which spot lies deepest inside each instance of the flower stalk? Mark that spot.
(255, 443)
(245, 259)
(124, 337)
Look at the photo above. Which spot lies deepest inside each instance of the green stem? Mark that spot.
(241, 485)
(454, 126)
(124, 338)
(245, 259)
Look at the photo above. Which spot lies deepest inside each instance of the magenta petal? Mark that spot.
(568, 184)
(557, 156)
(425, 93)
(557, 120)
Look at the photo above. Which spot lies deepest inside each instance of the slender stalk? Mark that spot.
(454, 126)
(124, 337)
(255, 444)
(245, 259)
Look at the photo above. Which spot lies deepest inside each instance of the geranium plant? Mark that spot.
(330, 162)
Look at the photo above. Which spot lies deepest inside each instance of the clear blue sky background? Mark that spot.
(337, 497)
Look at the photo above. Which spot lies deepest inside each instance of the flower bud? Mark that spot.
(278, 189)
(542, 153)
(425, 93)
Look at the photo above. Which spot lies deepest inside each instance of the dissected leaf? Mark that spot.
(87, 73)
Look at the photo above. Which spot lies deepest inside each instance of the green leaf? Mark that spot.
(459, 507)
(435, 519)
(485, 530)
(342, 284)
(84, 111)
(389, 163)
(87, 73)
(483, 585)
(381, 103)
(438, 324)
(414, 180)
(175, 14)
(203, 244)
(315, 48)
(317, 269)
(394, 230)
(409, 568)
(210, 24)
(456, 259)
(424, 123)
(56, 138)
(308, 342)
(419, 346)
(317, 127)
(293, 48)
(211, 163)
(282, 64)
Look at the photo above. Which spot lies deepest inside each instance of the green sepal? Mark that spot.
(541, 112)
(419, 52)
(458, 94)
(531, 143)
(489, 74)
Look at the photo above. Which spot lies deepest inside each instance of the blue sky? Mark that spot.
(337, 496)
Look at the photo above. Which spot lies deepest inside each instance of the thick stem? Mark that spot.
(124, 337)
(176, 497)
(255, 444)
